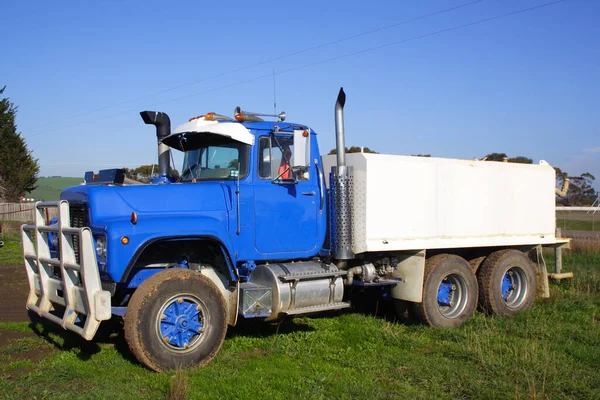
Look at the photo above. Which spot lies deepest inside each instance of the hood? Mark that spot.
(107, 203)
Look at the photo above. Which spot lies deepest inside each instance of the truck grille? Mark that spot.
(79, 219)
(78, 213)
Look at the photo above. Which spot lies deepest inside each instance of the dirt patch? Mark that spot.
(22, 345)
(14, 289)
(17, 346)
(253, 353)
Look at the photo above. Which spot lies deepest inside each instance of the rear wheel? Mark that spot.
(449, 292)
(506, 283)
(175, 319)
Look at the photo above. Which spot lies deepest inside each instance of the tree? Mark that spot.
(520, 160)
(355, 149)
(495, 157)
(144, 173)
(581, 191)
(502, 156)
(18, 169)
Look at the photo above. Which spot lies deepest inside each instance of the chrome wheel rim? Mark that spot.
(452, 296)
(514, 287)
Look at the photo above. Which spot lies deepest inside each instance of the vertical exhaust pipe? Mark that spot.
(341, 185)
(339, 130)
(163, 129)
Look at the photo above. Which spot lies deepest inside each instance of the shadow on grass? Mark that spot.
(110, 332)
(373, 304)
(260, 328)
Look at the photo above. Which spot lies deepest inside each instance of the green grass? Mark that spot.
(48, 189)
(551, 351)
(576, 225)
(11, 252)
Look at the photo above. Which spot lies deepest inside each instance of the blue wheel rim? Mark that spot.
(181, 323)
(452, 296)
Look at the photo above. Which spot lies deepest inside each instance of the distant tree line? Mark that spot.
(144, 173)
(355, 149)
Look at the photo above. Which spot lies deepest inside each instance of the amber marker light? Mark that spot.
(133, 218)
(305, 133)
(125, 240)
(239, 117)
(209, 116)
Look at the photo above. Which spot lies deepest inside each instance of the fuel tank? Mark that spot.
(301, 287)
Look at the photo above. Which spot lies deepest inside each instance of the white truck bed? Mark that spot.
(414, 203)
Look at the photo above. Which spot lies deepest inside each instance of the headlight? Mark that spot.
(53, 239)
(52, 236)
(101, 246)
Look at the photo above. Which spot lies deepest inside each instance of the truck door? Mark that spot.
(286, 212)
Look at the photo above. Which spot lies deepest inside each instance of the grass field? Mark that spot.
(11, 252)
(578, 220)
(48, 189)
(551, 351)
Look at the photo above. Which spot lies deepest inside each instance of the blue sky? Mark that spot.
(527, 84)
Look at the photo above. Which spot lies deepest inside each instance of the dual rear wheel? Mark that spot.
(504, 285)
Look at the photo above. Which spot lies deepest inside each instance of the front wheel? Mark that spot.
(449, 292)
(175, 319)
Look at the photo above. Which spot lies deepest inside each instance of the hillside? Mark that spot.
(49, 189)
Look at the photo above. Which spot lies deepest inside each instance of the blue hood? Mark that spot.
(107, 203)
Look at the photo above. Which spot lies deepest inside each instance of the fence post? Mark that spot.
(558, 255)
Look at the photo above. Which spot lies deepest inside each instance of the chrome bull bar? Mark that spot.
(78, 289)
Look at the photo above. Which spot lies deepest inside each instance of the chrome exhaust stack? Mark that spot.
(341, 191)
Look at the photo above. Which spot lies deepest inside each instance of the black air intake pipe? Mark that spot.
(163, 129)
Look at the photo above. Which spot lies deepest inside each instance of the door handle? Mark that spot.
(309, 193)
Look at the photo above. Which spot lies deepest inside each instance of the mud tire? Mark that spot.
(491, 275)
(437, 269)
(144, 311)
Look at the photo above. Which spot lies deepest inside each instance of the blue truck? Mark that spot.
(260, 225)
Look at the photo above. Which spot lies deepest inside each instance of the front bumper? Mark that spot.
(72, 298)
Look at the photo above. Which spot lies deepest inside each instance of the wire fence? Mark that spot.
(578, 218)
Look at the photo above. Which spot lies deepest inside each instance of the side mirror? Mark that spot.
(301, 156)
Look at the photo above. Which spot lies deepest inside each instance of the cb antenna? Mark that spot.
(274, 94)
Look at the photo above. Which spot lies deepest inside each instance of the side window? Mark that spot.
(264, 157)
(275, 157)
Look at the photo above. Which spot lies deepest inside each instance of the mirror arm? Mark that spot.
(278, 181)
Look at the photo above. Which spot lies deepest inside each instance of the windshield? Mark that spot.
(219, 161)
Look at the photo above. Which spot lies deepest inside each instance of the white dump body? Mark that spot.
(414, 203)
